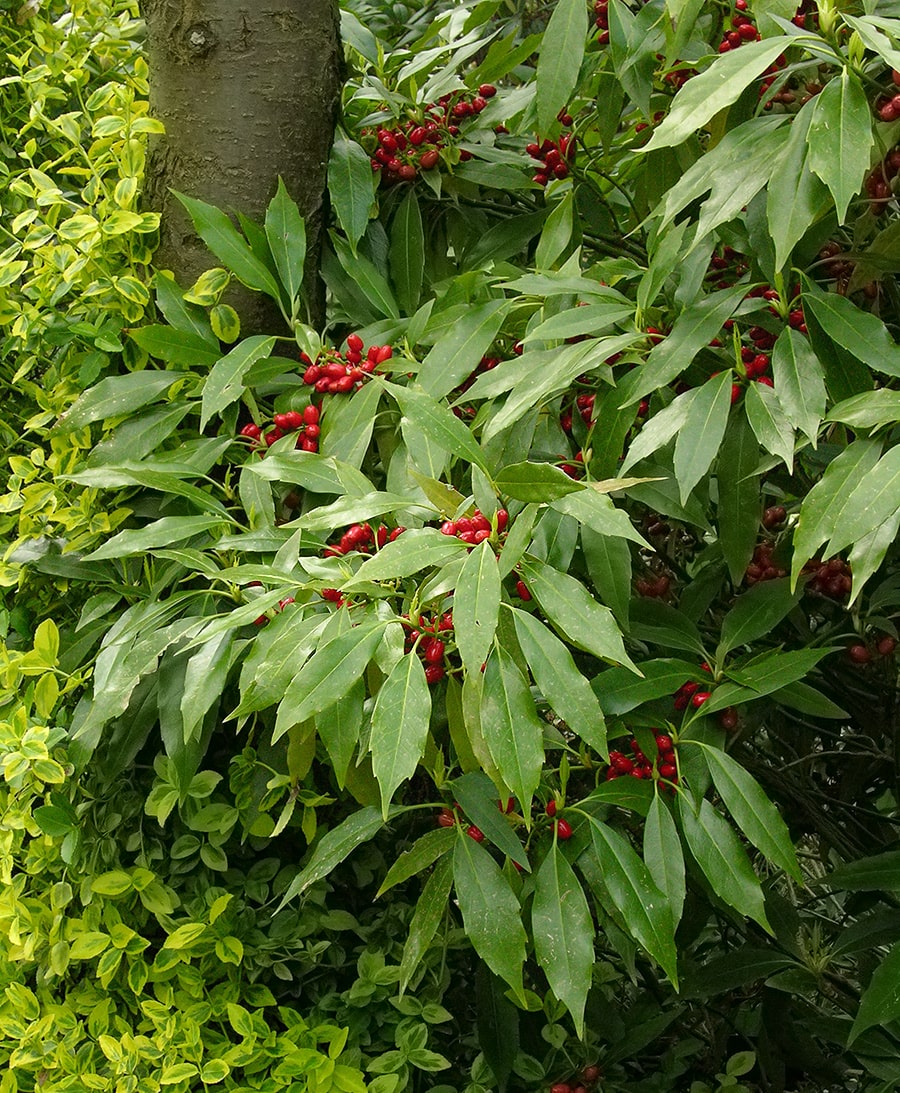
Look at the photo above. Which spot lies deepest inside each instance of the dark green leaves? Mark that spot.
(351, 187)
(476, 606)
(560, 59)
(407, 252)
(399, 725)
(563, 933)
(334, 847)
(490, 911)
(286, 236)
(881, 1001)
(223, 384)
(511, 727)
(840, 138)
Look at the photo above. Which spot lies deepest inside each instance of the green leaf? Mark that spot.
(223, 384)
(477, 795)
(457, 354)
(840, 138)
(704, 426)
(859, 332)
(821, 513)
(407, 252)
(165, 532)
(870, 503)
(765, 675)
(641, 904)
(334, 847)
(796, 198)
(490, 911)
(620, 692)
(738, 490)
(563, 933)
(574, 613)
(217, 231)
(535, 482)
(880, 1002)
(663, 856)
(327, 676)
(399, 726)
(512, 729)
(424, 852)
(116, 396)
(703, 96)
(339, 728)
(560, 59)
(752, 810)
(370, 281)
(799, 381)
(564, 687)
(435, 421)
(286, 235)
(476, 605)
(349, 510)
(868, 410)
(351, 187)
(718, 851)
(185, 317)
(878, 872)
(429, 913)
(755, 614)
(556, 234)
(497, 1023)
(769, 422)
(608, 561)
(409, 553)
(597, 512)
(348, 425)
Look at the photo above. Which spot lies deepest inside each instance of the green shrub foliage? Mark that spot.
(497, 688)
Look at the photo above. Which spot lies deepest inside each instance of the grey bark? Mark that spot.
(248, 90)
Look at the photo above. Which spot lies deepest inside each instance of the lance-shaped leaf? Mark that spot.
(424, 851)
(511, 727)
(334, 847)
(840, 138)
(456, 355)
(476, 605)
(407, 252)
(752, 810)
(662, 853)
(799, 381)
(859, 332)
(351, 187)
(327, 676)
(872, 502)
(339, 727)
(564, 687)
(491, 914)
(115, 396)
(574, 612)
(795, 197)
(224, 383)
(411, 552)
(477, 796)
(428, 915)
(880, 1002)
(399, 725)
(738, 489)
(535, 482)
(699, 440)
(164, 532)
(560, 59)
(755, 614)
(286, 236)
(440, 425)
(563, 933)
(635, 896)
(769, 422)
(718, 851)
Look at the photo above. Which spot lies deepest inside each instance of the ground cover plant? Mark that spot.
(497, 688)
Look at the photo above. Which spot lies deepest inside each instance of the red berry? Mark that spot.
(434, 673)
(561, 1087)
(699, 698)
(522, 591)
(664, 742)
(446, 818)
(859, 654)
(475, 833)
(487, 90)
(591, 1073)
(728, 719)
(563, 829)
(551, 808)
(251, 431)
(434, 651)
(886, 645)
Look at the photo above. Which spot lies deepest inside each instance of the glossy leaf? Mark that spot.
(859, 332)
(455, 356)
(399, 725)
(769, 422)
(407, 252)
(738, 490)
(477, 797)
(880, 1002)
(756, 613)
(116, 396)
(424, 852)
(490, 911)
(512, 730)
(643, 907)
(840, 138)
(535, 482)
(700, 438)
(799, 382)
(428, 416)
(476, 606)
(286, 235)
(663, 856)
(429, 913)
(223, 384)
(339, 727)
(562, 684)
(563, 933)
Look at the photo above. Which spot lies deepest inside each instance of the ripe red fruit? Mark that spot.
(428, 159)
(859, 654)
(664, 742)
(561, 1087)
(407, 172)
(434, 651)
(563, 829)
(522, 591)
(487, 90)
(551, 808)
(728, 719)
(445, 818)
(475, 833)
(434, 673)
(355, 342)
(699, 698)
(886, 645)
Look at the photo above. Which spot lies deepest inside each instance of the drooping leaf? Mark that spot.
(430, 910)
(512, 729)
(563, 933)
(476, 606)
(224, 383)
(880, 1002)
(407, 252)
(286, 235)
(116, 396)
(560, 59)
(334, 847)
(455, 356)
(663, 856)
(840, 138)
(799, 382)
(399, 725)
(477, 796)
(699, 440)
(738, 490)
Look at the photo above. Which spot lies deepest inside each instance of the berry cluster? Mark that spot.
(555, 157)
(879, 181)
(414, 145)
(742, 31)
(692, 693)
(832, 578)
(338, 373)
(637, 765)
(305, 423)
(361, 538)
(430, 638)
(883, 645)
(762, 566)
(589, 1076)
(653, 588)
(601, 21)
(889, 106)
(474, 529)
(774, 517)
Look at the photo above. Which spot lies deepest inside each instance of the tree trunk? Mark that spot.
(248, 90)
